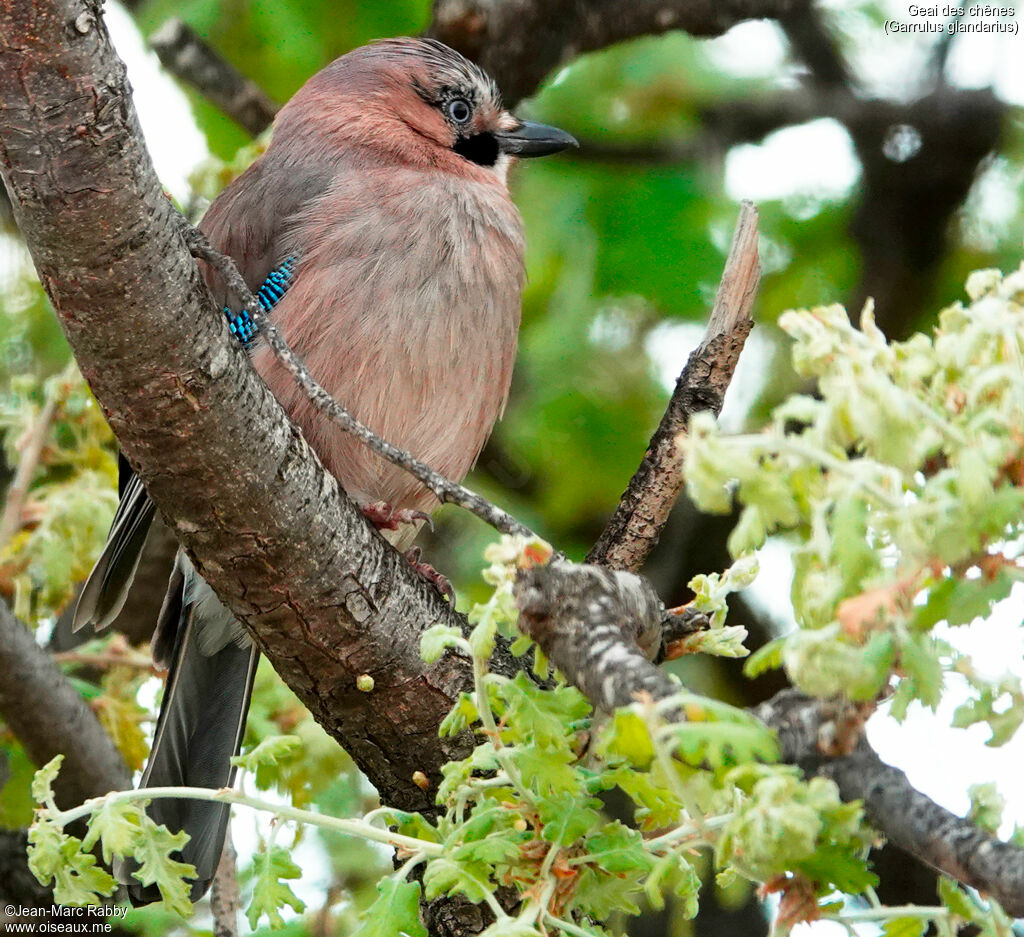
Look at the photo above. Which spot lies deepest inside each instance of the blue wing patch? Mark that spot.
(268, 295)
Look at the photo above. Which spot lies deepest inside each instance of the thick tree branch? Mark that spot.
(519, 42)
(325, 597)
(634, 528)
(187, 56)
(50, 717)
(813, 42)
(600, 627)
(909, 819)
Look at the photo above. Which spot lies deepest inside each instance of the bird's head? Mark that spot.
(420, 102)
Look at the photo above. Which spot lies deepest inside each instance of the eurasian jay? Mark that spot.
(379, 229)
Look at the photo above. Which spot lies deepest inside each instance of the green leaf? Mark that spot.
(464, 713)
(852, 552)
(436, 640)
(539, 717)
(954, 898)
(723, 745)
(599, 894)
(961, 601)
(42, 781)
(119, 825)
(616, 848)
(270, 893)
(765, 658)
(547, 772)
(444, 876)
(987, 806)
(628, 737)
(919, 659)
(396, 910)
(565, 818)
(657, 805)
(521, 645)
(414, 825)
(840, 869)
(153, 851)
(905, 927)
(55, 857)
(270, 752)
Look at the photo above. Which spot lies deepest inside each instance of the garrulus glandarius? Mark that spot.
(378, 228)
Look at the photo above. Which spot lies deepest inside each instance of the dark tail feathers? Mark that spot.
(200, 727)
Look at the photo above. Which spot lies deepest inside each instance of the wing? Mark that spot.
(251, 219)
(248, 221)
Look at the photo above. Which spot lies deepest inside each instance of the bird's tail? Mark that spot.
(200, 727)
(106, 589)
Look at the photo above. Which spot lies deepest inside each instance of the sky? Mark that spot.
(940, 761)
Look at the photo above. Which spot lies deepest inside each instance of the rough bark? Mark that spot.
(636, 524)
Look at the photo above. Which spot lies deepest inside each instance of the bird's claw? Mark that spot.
(385, 517)
(438, 580)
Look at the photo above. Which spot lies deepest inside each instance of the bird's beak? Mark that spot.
(530, 139)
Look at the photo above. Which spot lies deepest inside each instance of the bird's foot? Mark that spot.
(385, 517)
(438, 580)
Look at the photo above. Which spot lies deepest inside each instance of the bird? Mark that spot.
(378, 232)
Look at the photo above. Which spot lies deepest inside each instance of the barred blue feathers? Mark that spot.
(268, 295)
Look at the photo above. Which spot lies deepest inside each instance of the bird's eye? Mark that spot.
(459, 111)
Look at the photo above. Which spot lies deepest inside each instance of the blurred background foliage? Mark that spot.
(626, 241)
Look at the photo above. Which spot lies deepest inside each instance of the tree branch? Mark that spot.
(813, 42)
(909, 819)
(225, 900)
(520, 41)
(49, 717)
(31, 450)
(634, 528)
(18, 886)
(187, 56)
(600, 627)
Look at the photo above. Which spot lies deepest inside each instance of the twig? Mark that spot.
(634, 528)
(102, 660)
(283, 812)
(815, 43)
(188, 57)
(225, 899)
(446, 491)
(31, 450)
(678, 625)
